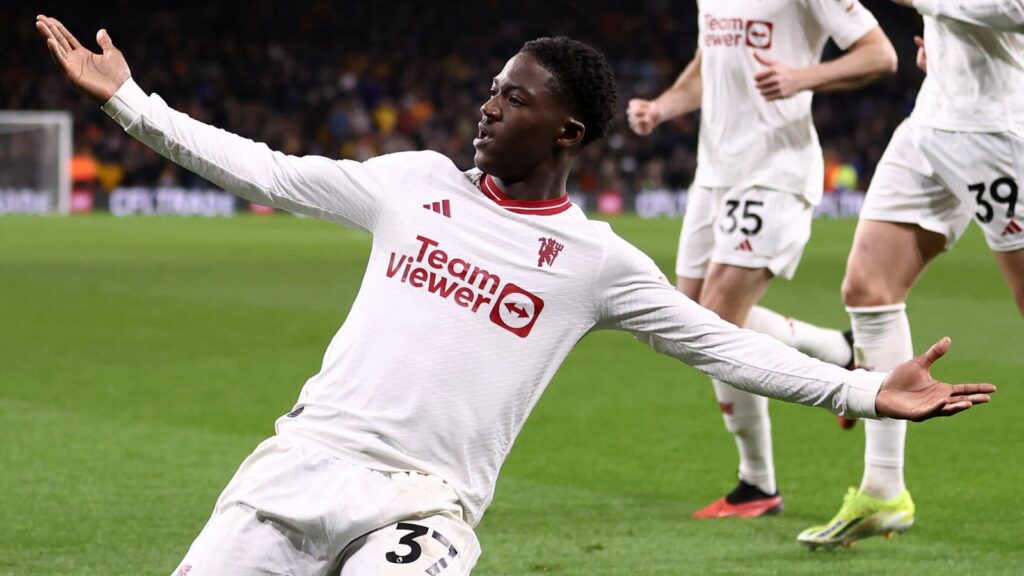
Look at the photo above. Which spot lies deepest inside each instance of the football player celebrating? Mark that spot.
(478, 285)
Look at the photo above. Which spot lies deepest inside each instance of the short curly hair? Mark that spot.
(584, 81)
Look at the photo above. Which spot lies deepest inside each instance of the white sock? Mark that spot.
(746, 416)
(825, 344)
(881, 336)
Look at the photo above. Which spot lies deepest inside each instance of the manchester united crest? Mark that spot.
(549, 250)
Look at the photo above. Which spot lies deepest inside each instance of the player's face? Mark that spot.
(522, 121)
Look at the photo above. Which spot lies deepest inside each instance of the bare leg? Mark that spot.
(886, 260)
(690, 286)
(731, 291)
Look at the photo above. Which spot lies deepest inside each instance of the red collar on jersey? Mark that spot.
(531, 207)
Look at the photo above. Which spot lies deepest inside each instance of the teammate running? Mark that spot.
(760, 173)
(958, 157)
(478, 285)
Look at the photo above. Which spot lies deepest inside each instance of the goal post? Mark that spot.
(35, 162)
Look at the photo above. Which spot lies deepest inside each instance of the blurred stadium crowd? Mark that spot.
(361, 78)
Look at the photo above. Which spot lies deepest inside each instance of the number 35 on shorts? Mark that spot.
(764, 217)
(761, 228)
(744, 215)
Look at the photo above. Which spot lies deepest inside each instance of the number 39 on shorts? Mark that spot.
(1002, 191)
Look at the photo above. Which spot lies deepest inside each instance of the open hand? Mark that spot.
(910, 392)
(777, 81)
(643, 116)
(97, 75)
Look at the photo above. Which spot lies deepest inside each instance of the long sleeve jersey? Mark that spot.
(469, 304)
(975, 80)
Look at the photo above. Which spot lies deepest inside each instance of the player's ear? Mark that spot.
(573, 132)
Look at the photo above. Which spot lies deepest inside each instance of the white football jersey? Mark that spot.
(745, 139)
(469, 304)
(975, 80)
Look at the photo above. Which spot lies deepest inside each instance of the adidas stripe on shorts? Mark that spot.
(749, 227)
(941, 180)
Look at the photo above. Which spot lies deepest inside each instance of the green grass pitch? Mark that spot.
(142, 359)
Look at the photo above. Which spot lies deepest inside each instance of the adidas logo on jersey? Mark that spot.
(745, 246)
(443, 208)
(1012, 228)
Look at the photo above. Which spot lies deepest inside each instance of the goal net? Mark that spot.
(35, 158)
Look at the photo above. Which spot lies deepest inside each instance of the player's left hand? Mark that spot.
(777, 81)
(911, 393)
(904, 2)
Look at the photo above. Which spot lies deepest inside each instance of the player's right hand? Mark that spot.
(97, 75)
(643, 116)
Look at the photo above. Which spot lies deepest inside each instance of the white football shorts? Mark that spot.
(749, 227)
(941, 180)
(293, 510)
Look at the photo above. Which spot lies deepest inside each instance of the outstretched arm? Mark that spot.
(1007, 15)
(682, 97)
(341, 191)
(633, 296)
(868, 59)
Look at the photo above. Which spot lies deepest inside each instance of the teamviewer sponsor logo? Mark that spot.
(516, 310)
(734, 32)
(759, 34)
(467, 285)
